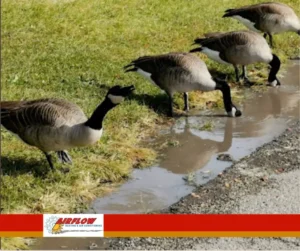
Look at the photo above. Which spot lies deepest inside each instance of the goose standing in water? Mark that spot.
(240, 48)
(269, 18)
(56, 124)
(181, 72)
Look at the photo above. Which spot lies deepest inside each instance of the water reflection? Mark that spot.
(264, 116)
(193, 151)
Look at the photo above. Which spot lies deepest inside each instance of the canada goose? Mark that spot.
(240, 48)
(56, 124)
(181, 72)
(216, 34)
(269, 18)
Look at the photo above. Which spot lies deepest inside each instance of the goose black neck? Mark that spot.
(95, 121)
(275, 66)
(225, 89)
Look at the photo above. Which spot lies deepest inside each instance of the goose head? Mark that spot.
(231, 109)
(117, 94)
(275, 66)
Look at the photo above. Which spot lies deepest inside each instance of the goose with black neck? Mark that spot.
(240, 48)
(56, 124)
(181, 72)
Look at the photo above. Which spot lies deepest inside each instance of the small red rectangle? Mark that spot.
(208, 222)
(21, 222)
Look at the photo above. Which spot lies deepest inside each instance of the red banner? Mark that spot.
(200, 222)
(169, 225)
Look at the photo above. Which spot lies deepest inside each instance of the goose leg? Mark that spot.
(64, 157)
(49, 159)
(244, 75)
(186, 101)
(236, 73)
(271, 40)
(171, 113)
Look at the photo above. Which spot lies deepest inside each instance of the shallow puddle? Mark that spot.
(193, 157)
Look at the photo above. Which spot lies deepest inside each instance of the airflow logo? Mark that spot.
(70, 225)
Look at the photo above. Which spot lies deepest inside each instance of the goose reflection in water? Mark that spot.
(193, 151)
(265, 113)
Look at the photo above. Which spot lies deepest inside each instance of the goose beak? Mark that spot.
(238, 113)
(234, 112)
(127, 90)
(274, 83)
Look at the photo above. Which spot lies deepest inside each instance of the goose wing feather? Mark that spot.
(166, 66)
(259, 11)
(18, 115)
(224, 41)
(154, 64)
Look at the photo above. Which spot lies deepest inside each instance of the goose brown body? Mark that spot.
(269, 17)
(181, 72)
(57, 124)
(175, 72)
(239, 48)
(49, 124)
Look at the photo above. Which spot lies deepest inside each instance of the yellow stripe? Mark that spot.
(202, 234)
(21, 234)
(171, 234)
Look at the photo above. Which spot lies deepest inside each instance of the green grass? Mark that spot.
(208, 126)
(75, 49)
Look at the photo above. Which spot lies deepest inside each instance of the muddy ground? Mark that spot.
(266, 181)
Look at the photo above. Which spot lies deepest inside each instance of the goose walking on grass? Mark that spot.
(181, 72)
(56, 124)
(269, 18)
(240, 48)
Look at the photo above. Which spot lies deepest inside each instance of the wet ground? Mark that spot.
(192, 157)
(264, 182)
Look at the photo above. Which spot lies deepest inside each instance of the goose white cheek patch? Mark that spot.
(115, 99)
(273, 83)
(232, 113)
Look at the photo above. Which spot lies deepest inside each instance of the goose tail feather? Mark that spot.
(199, 40)
(130, 69)
(228, 10)
(228, 13)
